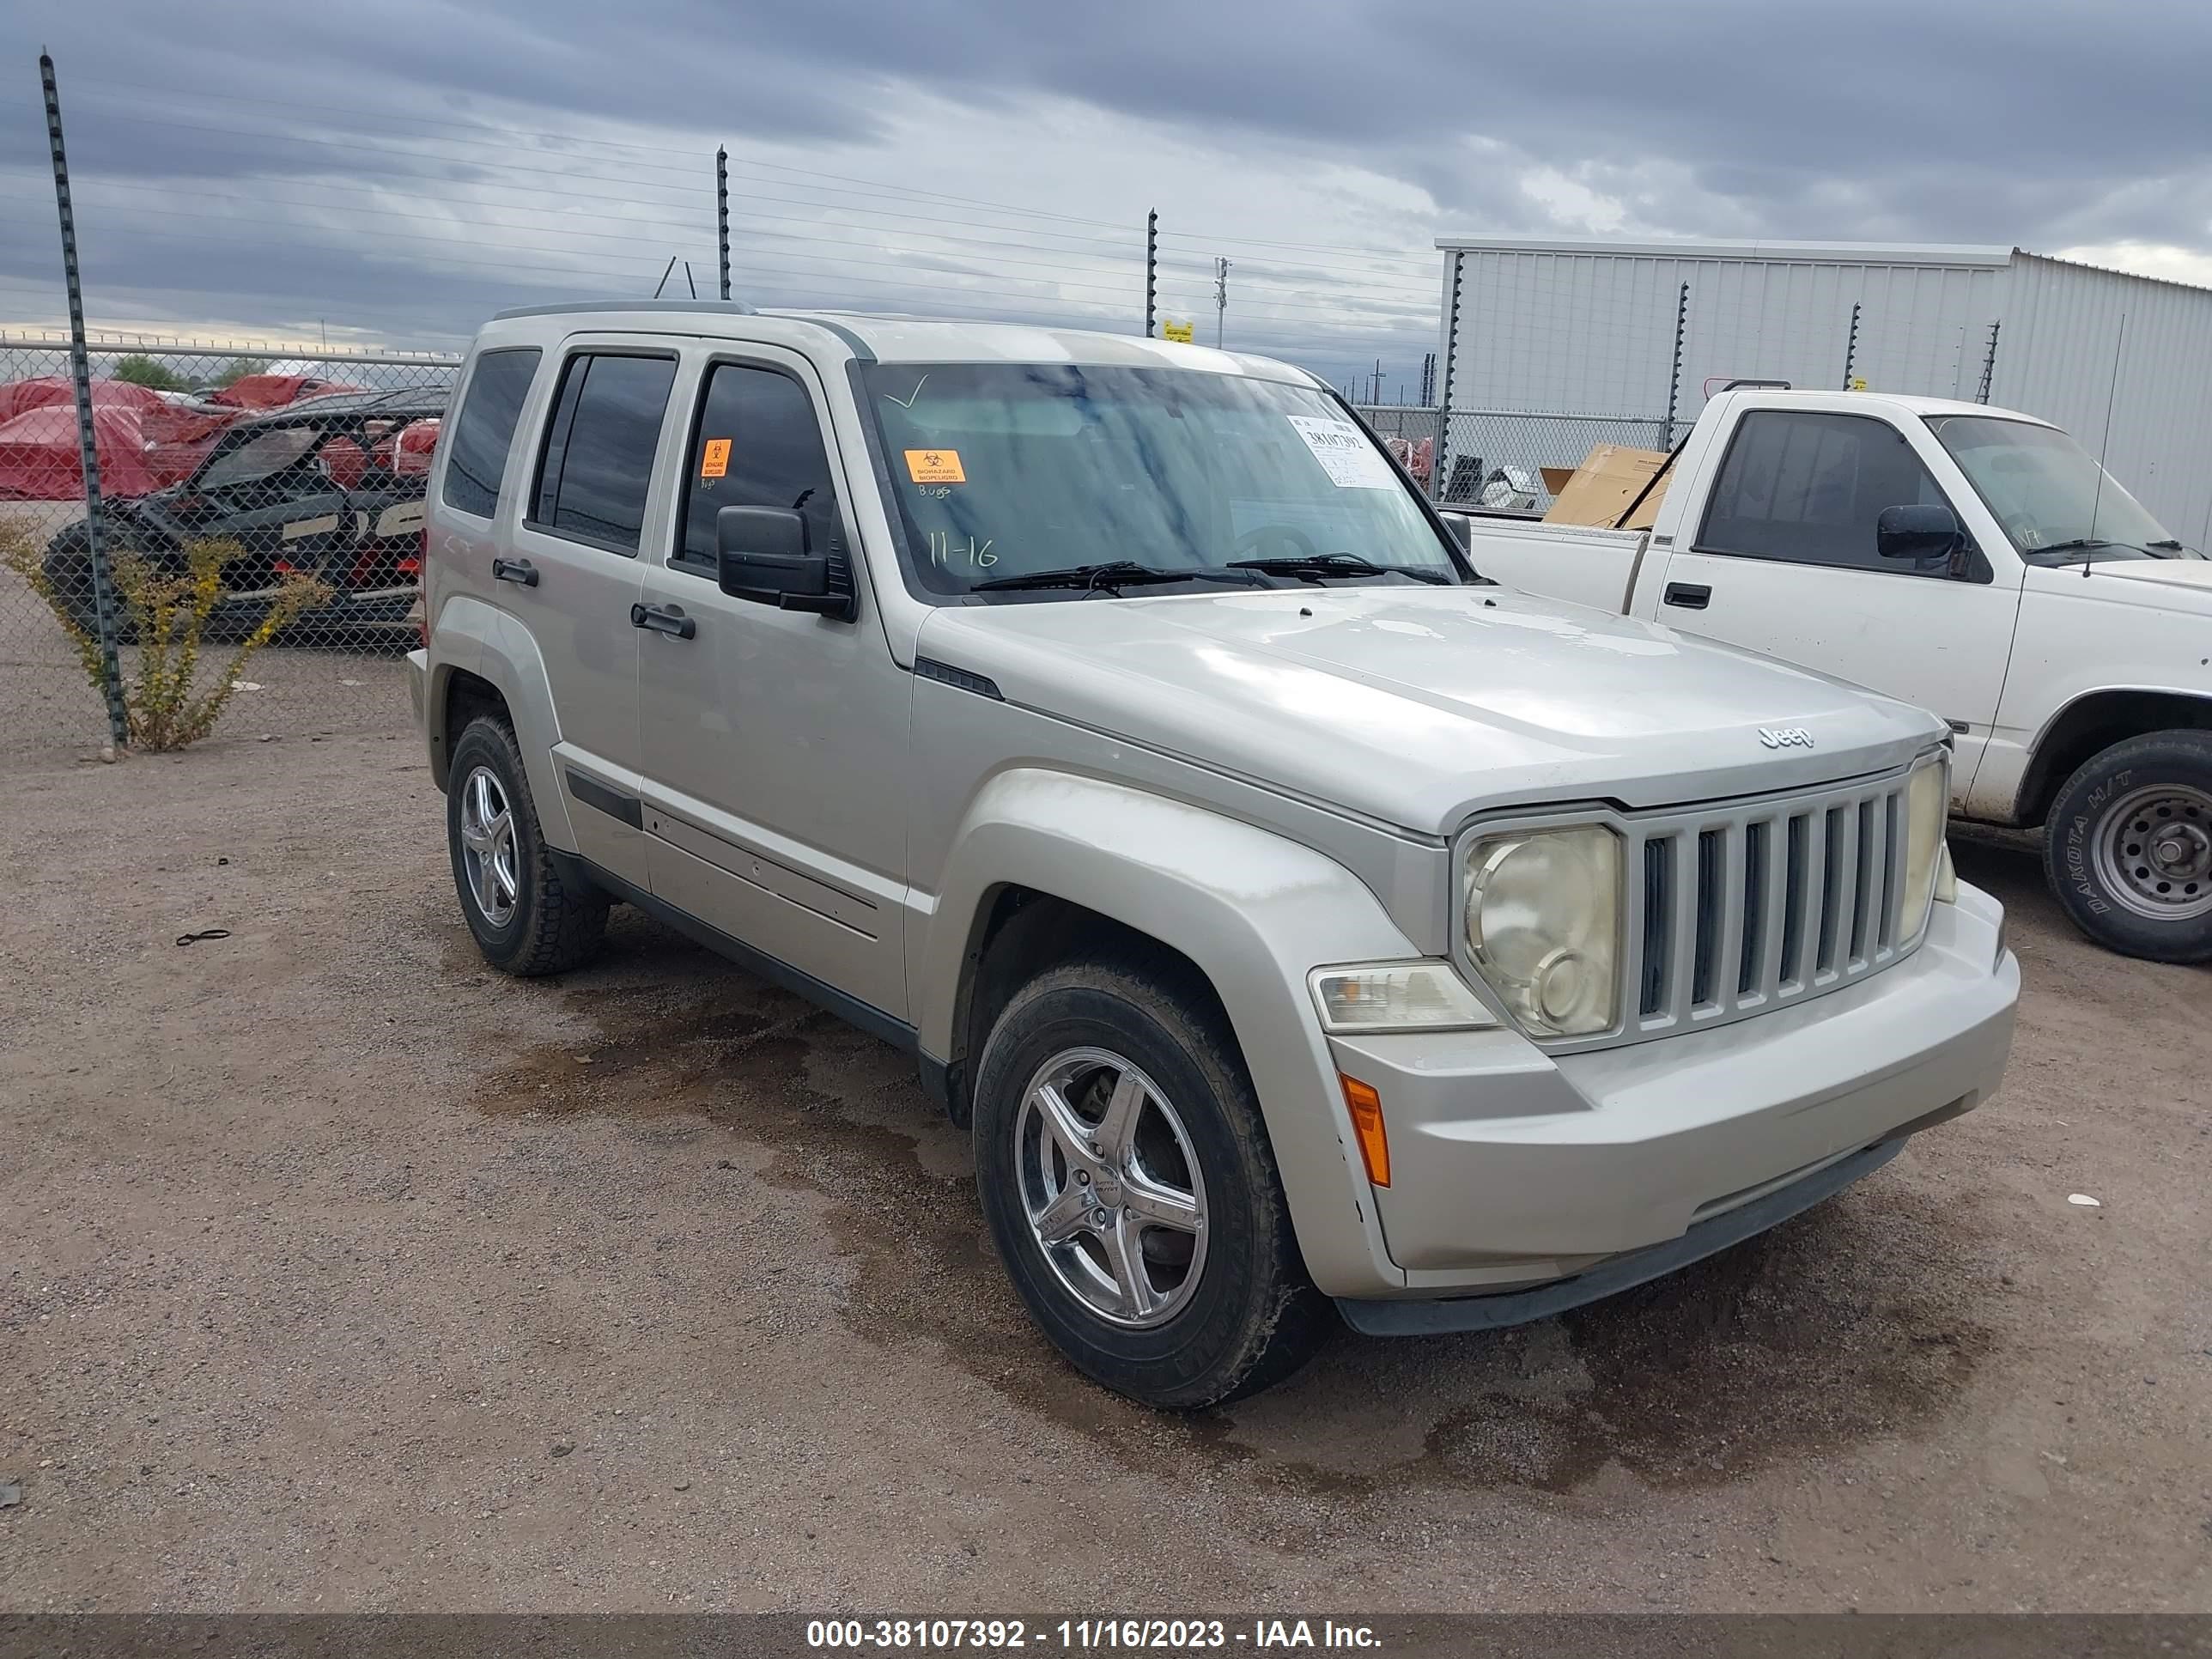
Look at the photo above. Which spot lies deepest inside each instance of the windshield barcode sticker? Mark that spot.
(1343, 453)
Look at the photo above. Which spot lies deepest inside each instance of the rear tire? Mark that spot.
(526, 919)
(1165, 1133)
(2128, 847)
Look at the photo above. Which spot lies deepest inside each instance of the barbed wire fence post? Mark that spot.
(1152, 272)
(1675, 375)
(722, 214)
(1440, 465)
(103, 596)
(1851, 345)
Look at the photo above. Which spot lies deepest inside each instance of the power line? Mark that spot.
(385, 117)
(571, 177)
(683, 227)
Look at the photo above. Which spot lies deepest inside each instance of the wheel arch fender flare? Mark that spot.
(1254, 910)
(475, 638)
(2091, 721)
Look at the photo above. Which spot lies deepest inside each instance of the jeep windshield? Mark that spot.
(2053, 499)
(1059, 480)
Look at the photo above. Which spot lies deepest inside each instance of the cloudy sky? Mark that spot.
(389, 173)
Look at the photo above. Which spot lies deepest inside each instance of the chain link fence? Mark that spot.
(287, 489)
(1496, 457)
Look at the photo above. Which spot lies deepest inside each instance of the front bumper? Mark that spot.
(1513, 1169)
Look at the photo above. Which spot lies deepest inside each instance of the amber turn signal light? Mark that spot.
(1366, 1107)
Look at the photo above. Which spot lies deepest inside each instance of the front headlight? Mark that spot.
(1543, 924)
(1927, 803)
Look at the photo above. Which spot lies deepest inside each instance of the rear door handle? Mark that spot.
(519, 571)
(1691, 596)
(664, 619)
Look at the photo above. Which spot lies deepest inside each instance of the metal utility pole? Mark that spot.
(1152, 272)
(1220, 298)
(722, 213)
(1374, 383)
(88, 447)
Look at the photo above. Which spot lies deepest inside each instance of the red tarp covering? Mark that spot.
(406, 452)
(18, 395)
(39, 454)
(275, 390)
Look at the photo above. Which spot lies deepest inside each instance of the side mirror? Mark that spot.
(1919, 533)
(1461, 527)
(762, 554)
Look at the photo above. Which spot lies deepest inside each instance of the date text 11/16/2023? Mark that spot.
(1086, 1635)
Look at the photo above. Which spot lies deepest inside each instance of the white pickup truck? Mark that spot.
(1972, 560)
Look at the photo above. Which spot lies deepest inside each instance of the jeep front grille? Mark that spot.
(1747, 906)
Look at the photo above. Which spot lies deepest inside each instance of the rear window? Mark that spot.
(485, 431)
(600, 446)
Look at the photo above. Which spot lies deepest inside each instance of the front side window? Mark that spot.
(485, 429)
(1008, 471)
(757, 443)
(1810, 490)
(2054, 503)
(596, 473)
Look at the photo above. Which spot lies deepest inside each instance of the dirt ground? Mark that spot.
(338, 1271)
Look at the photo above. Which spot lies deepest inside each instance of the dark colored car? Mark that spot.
(330, 489)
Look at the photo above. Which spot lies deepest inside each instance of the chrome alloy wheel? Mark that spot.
(1111, 1187)
(488, 849)
(2154, 852)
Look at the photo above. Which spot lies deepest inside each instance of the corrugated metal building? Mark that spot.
(1590, 327)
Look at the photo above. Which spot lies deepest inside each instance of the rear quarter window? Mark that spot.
(485, 431)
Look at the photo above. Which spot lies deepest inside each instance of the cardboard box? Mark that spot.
(1603, 487)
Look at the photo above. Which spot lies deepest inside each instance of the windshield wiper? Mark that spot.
(2082, 544)
(1315, 566)
(1115, 574)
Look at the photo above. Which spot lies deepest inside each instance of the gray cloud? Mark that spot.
(413, 164)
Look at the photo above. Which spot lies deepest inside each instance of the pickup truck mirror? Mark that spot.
(762, 554)
(1919, 533)
(1461, 527)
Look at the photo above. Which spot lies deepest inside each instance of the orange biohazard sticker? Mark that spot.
(934, 466)
(716, 461)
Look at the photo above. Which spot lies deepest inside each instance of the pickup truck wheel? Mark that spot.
(2128, 847)
(526, 920)
(1131, 1191)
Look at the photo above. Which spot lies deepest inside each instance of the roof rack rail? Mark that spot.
(586, 306)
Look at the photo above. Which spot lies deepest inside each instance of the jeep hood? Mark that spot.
(1416, 707)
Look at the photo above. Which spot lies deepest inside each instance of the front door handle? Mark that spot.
(519, 571)
(664, 619)
(1691, 596)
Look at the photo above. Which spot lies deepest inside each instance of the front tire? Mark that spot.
(69, 573)
(526, 919)
(1130, 1189)
(2128, 847)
